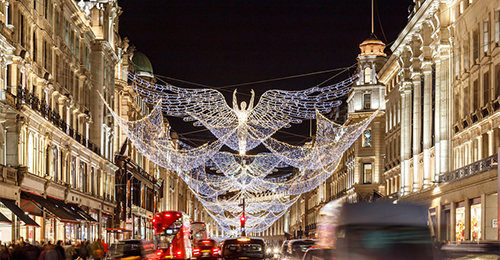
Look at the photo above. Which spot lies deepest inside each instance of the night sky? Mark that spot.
(223, 43)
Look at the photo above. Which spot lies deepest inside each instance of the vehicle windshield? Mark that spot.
(206, 243)
(164, 239)
(250, 249)
(391, 242)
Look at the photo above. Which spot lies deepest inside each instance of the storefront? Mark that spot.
(460, 222)
(63, 221)
(8, 212)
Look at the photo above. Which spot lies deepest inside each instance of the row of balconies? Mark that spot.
(483, 165)
(24, 97)
(339, 194)
(477, 115)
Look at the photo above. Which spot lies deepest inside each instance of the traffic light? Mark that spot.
(242, 220)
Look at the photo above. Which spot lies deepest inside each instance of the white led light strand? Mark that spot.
(220, 180)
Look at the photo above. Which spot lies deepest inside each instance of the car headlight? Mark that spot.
(268, 250)
(276, 250)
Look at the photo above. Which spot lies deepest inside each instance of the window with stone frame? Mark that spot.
(368, 75)
(497, 27)
(486, 35)
(486, 88)
(367, 173)
(367, 138)
(475, 46)
(497, 80)
(366, 101)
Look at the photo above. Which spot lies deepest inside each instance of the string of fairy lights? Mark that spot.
(219, 179)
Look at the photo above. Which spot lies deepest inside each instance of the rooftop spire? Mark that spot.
(372, 19)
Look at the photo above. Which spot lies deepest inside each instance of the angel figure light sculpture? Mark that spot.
(243, 128)
(242, 113)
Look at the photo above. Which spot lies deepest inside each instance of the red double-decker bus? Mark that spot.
(172, 235)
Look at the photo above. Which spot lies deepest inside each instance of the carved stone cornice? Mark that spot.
(108, 51)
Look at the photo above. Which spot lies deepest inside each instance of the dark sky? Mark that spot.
(223, 43)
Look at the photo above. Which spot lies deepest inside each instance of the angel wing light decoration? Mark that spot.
(243, 127)
(249, 125)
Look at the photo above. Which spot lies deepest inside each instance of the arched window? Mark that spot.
(55, 164)
(29, 159)
(368, 75)
(49, 162)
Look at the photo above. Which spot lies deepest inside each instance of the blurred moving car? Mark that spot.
(487, 250)
(133, 249)
(296, 248)
(206, 249)
(282, 250)
(244, 248)
(319, 253)
(383, 231)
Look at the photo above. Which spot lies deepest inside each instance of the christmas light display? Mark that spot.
(244, 126)
(220, 180)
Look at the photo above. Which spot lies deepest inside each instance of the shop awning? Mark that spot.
(56, 210)
(72, 209)
(82, 212)
(18, 212)
(4, 219)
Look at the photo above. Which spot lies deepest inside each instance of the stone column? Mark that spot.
(417, 117)
(406, 176)
(445, 111)
(491, 143)
(453, 221)
(437, 122)
(479, 152)
(467, 219)
(427, 70)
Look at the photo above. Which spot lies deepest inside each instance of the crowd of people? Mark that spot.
(81, 250)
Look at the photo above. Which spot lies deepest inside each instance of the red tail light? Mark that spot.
(159, 253)
(215, 251)
(179, 252)
(196, 251)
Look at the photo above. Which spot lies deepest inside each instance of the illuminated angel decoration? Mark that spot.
(220, 179)
(245, 127)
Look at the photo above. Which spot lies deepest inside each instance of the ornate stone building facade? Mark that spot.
(54, 140)
(443, 82)
(441, 123)
(60, 150)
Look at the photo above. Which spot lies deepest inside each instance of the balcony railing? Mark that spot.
(24, 97)
(475, 168)
(340, 194)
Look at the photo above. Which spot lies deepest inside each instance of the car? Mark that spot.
(244, 248)
(282, 250)
(471, 250)
(206, 249)
(133, 249)
(320, 253)
(383, 230)
(294, 249)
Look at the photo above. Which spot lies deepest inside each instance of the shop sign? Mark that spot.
(494, 223)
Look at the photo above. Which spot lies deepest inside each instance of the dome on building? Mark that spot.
(372, 46)
(142, 65)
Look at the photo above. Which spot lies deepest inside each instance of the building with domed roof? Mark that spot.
(141, 65)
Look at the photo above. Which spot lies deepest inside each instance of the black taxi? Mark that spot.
(243, 248)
